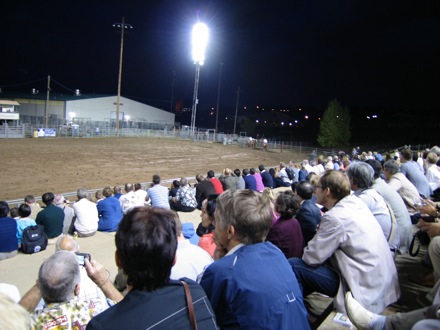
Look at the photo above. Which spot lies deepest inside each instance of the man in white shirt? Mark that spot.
(86, 221)
(191, 260)
(129, 200)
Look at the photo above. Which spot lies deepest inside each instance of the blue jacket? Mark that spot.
(250, 182)
(110, 214)
(309, 217)
(267, 179)
(255, 288)
(8, 231)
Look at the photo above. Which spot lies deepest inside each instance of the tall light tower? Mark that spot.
(199, 42)
(123, 26)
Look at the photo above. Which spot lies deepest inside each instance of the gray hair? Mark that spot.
(361, 173)
(58, 277)
(247, 212)
(82, 193)
(391, 166)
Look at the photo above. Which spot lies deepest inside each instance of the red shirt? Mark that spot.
(217, 185)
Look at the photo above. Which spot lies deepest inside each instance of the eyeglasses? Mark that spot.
(316, 187)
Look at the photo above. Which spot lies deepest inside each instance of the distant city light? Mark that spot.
(306, 117)
(257, 121)
(282, 123)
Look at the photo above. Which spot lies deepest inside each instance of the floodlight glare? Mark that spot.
(199, 42)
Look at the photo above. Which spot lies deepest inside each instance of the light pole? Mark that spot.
(123, 27)
(218, 97)
(199, 42)
(236, 108)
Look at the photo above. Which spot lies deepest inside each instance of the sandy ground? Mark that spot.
(60, 165)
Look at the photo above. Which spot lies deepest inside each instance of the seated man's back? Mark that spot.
(252, 287)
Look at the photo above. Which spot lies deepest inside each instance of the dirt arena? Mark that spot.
(61, 165)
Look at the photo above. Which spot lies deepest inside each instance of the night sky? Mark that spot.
(296, 53)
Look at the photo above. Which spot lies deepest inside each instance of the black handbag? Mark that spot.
(423, 239)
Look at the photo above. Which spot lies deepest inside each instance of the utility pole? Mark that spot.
(218, 97)
(236, 108)
(123, 27)
(172, 92)
(47, 102)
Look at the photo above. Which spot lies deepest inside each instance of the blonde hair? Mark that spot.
(13, 316)
(268, 195)
(227, 171)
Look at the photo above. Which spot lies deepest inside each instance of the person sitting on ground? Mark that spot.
(249, 180)
(185, 200)
(204, 188)
(286, 182)
(277, 181)
(129, 200)
(35, 207)
(228, 179)
(302, 172)
(216, 182)
(411, 170)
(58, 284)
(404, 225)
(158, 193)
(146, 244)
(13, 213)
(402, 185)
(252, 286)
(51, 217)
(98, 196)
(349, 239)
(142, 195)
(174, 188)
(421, 319)
(240, 181)
(266, 177)
(432, 171)
(117, 191)
(109, 211)
(88, 288)
(294, 170)
(8, 233)
(269, 197)
(361, 176)
(206, 228)
(24, 221)
(286, 233)
(191, 260)
(309, 214)
(86, 215)
(258, 179)
(69, 214)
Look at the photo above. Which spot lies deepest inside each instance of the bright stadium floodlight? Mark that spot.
(199, 42)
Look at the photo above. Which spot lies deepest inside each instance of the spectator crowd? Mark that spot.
(335, 228)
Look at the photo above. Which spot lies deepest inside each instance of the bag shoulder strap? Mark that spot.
(191, 313)
(411, 247)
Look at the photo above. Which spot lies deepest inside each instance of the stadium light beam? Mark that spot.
(200, 34)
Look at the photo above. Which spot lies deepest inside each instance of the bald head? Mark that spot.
(67, 243)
